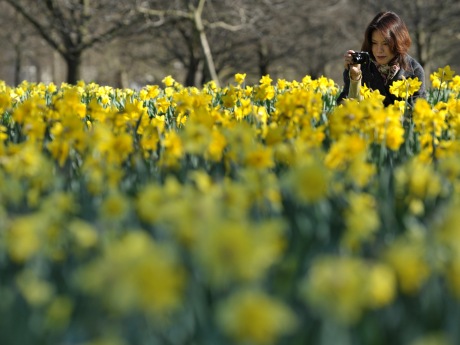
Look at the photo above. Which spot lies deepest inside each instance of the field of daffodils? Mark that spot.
(258, 214)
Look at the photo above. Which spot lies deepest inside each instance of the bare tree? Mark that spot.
(73, 26)
(193, 20)
(22, 49)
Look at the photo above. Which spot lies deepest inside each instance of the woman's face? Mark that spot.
(381, 49)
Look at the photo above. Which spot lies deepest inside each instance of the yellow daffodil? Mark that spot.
(168, 81)
(252, 316)
(361, 220)
(239, 78)
(407, 257)
(405, 87)
(141, 273)
(343, 288)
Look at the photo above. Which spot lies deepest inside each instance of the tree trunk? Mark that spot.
(73, 62)
(204, 43)
(192, 71)
(264, 58)
(205, 76)
(122, 79)
(17, 65)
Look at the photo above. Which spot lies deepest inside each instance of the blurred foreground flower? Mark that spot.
(142, 275)
(252, 317)
(342, 288)
(407, 257)
(234, 251)
(440, 78)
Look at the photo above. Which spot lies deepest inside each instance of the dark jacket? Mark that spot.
(372, 79)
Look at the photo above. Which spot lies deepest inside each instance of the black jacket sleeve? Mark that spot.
(420, 74)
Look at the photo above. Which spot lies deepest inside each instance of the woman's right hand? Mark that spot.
(354, 69)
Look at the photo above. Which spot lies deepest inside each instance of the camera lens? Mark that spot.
(361, 58)
(357, 58)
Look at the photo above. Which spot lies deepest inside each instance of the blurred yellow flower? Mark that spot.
(133, 111)
(23, 238)
(361, 220)
(360, 172)
(142, 274)
(440, 78)
(259, 157)
(381, 286)
(370, 94)
(168, 81)
(36, 291)
(70, 103)
(152, 91)
(59, 312)
(196, 138)
(148, 204)
(429, 120)
(454, 84)
(235, 251)
(174, 149)
(253, 317)
(299, 107)
(433, 339)
(308, 181)
(343, 288)
(114, 207)
(150, 139)
(426, 184)
(325, 85)
(265, 80)
(51, 88)
(239, 78)
(31, 110)
(5, 101)
(112, 146)
(281, 84)
(265, 92)
(407, 257)
(216, 146)
(84, 233)
(344, 151)
(394, 137)
(228, 100)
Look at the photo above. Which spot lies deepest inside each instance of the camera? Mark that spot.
(360, 58)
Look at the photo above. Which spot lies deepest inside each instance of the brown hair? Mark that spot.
(393, 28)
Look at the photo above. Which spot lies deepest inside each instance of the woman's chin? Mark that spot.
(383, 61)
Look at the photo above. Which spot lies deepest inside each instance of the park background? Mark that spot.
(132, 43)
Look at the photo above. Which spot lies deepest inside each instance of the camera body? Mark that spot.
(360, 58)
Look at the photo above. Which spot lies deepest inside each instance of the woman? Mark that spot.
(387, 41)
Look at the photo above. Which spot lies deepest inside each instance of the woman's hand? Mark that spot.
(353, 69)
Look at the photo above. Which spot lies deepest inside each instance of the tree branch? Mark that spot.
(46, 35)
(164, 13)
(223, 25)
